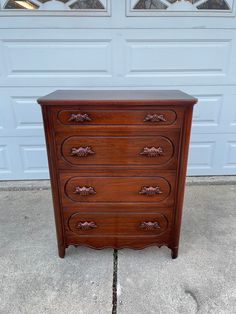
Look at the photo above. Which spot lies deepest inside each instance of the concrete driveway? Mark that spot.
(201, 280)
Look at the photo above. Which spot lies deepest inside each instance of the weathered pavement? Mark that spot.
(201, 280)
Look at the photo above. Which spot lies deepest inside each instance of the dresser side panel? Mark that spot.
(54, 178)
(181, 178)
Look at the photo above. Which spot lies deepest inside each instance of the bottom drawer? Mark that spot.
(117, 224)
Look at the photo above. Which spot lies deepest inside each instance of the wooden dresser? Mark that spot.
(117, 163)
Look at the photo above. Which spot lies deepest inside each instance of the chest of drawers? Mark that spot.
(117, 162)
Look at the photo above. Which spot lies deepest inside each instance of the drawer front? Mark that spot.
(160, 150)
(118, 224)
(118, 189)
(157, 117)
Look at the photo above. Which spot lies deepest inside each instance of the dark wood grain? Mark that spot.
(117, 224)
(118, 242)
(58, 215)
(80, 116)
(117, 164)
(118, 189)
(121, 97)
(181, 175)
(119, 150)
(130, 115)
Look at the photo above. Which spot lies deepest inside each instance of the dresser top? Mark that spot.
(137, 97)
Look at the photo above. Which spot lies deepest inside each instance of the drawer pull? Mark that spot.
(154, 118)
(79, 117)
(152, 151)
(81, 151)
(149, 225)
(150, 190)
(86, 225)
(84, 190)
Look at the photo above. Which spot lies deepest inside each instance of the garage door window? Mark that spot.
(152, 7)
(171, 4)
(81, 5)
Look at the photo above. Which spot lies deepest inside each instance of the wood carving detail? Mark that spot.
(152, 151)
(125, 160)
(84, 190)
(81, 151)
(79, 117)
(149, 225)
(86, 225)
(150, 190)
(154, 118)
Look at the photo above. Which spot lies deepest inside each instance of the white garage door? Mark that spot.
(106, 44)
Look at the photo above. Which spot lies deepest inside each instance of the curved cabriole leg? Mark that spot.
(174, 252)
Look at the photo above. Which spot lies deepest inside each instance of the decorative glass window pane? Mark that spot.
(21, 4)
(180, 5)
(150, 5)
(214, 5)
(87, 4)
(82, 5)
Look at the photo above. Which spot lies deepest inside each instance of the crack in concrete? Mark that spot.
(114, 285)
(193, 296)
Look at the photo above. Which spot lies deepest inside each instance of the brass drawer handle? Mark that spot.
(79, 117)
(149, 225)
(86, 225)
(84, 190)
(152, 151)
(82, 151)
(154, 118)
(150, 190)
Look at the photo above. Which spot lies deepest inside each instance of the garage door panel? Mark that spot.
(27, 115)
(23, 158)
(33, 157)
(201, 154)
(1, 121)
(158, 57)
(7, 119)
(5, 167)
(118, 57)
(22, 114)
(215, 112)
(50, 58)
(229, 165)
(186, 57)
(229, 113)
(212, 154)
(35, 62)
(45, 58)
(207, 113)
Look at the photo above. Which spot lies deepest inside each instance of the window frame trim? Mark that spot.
(64, 13)
(130, 12)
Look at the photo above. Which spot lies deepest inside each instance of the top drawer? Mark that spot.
(77, 116)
